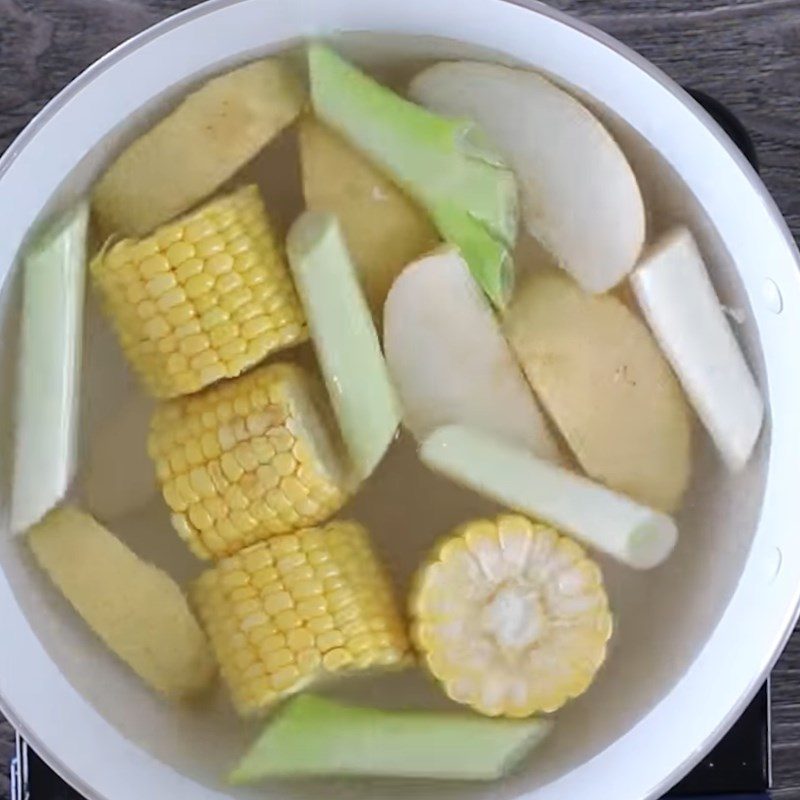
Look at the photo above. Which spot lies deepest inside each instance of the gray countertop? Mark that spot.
(744, 52)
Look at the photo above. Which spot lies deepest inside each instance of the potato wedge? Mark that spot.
(600, 375)
(137, 610)
(202, 143)
(384, 228)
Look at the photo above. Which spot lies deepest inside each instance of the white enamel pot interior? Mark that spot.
(694, 638)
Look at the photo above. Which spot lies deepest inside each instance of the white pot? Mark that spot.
(695, 638)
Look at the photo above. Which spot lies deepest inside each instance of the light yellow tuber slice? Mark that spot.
(383, 227)
(601, 376)
(135, 608)
(188, 154)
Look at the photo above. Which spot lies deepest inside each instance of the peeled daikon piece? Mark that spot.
(678, 300)
(449, 360)
(601, 377)
(580, 198)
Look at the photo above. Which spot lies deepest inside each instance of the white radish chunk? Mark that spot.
(580, 198)
(600, 518)
(49, 369)
(678, 300)
(449, 360)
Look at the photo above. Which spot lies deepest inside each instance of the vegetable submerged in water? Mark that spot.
(314, 736)
(444, 164)
(580, 198)
(678, 300)
(136, 609)
(48, 369)
(449, 359)
(512, 618)
(192, 151)
(602, 519)
(602, 379)
(384, 229)
(345, 340)
(299, 608)
(248, 459)
(204, 298)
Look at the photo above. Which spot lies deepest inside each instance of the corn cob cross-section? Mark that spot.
(288, 611)
(203, 298)
(511, 617)
(247, 459)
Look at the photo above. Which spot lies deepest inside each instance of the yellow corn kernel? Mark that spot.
(250, 605)
(185, 273)
(511, 617)
(257, 446)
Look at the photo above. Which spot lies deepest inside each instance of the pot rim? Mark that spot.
(775, 569)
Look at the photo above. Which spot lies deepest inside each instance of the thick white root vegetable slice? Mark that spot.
(678, 300)
(49, 369)
(449, 360)
(604, 520)
(601, 377)
(580, 197)
(345, 339)
(137, 610)
(189, 153)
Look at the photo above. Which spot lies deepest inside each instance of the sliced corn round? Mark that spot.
(203, 298)
(288, 611)
(247, 459)
(511, 617)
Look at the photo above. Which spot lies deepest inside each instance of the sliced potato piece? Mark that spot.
(601, 377)
(136, 609)
(384, 228)
(188, 154)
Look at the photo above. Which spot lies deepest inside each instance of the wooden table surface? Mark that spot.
(744, 52)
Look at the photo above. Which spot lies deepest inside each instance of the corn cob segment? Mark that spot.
(293, 609)
(203, 298)
(511, 617)
(247, 459)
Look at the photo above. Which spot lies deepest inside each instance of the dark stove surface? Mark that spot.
(739, 768)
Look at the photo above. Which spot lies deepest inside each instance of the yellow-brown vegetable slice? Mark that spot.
(601, 377)
(203, 298)
(190, 153)
(288, 611)
(383, 228)
(248, 459)
(134, 607)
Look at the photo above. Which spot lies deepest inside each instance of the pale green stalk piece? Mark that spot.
(344, 337)
(314, 736)
(49, 368)
(511, 475)
(444, 163)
